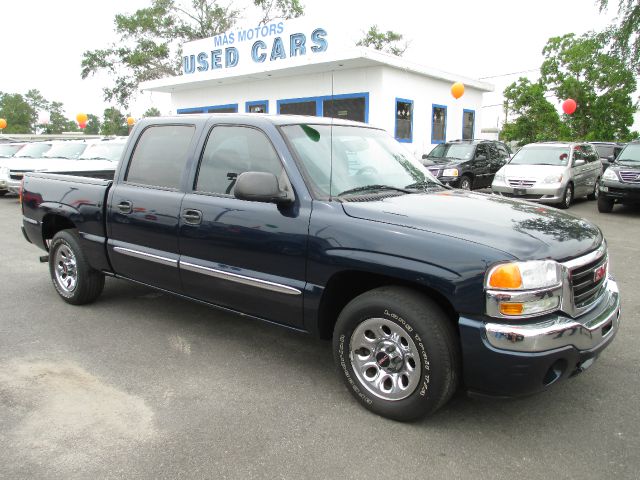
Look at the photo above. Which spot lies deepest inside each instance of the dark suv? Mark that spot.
(621, 182)
(467, 164)
(608, 151)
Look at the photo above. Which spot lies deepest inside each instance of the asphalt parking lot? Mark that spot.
(146, 385)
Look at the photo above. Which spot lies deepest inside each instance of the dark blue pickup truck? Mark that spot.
(331, 228)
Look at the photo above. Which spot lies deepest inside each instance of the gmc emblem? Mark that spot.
(599, 272)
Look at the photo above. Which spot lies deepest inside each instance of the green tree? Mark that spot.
(536, 119)
(580, 67)
(149, 40)
(58, 122)
(21, 117)
(93, 125)
(114, 122)
(388, 42)
(152, 112)
(624, 33)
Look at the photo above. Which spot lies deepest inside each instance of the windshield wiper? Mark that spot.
(423, 184)
(367, 188)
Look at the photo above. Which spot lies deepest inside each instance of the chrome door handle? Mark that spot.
(125, 207)
(192, 217)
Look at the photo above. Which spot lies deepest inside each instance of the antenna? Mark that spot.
(331, 144)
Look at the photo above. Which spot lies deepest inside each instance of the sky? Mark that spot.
(43, 41)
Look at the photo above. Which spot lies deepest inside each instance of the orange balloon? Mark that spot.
(82, 118)
(3, 124)
(457, 90)
(131, 121)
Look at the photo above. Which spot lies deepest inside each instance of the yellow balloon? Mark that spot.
(3, 124)
(131, 121)
(457, 90)
(82, 118)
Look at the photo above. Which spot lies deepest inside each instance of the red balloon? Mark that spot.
(82, 125)
(569, 106)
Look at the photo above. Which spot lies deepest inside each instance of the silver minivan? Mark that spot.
(550, 172)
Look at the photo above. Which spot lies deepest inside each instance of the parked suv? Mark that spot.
(467, 164)
(621, 182)
(608, 151)
(551, 172)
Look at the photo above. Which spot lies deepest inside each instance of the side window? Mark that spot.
(504, 153)
(160, 156)
(592, 154)
(438, 124)
(468, 124)
(482, 150)
(231, 151)
(404, 120)
(494, 152)
(578, 154)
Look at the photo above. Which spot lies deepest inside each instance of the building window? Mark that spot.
(347, 107)
(404, 120)
(306, 107)
(229, 108)
(468, 124)
(439, 124)
(260, 106)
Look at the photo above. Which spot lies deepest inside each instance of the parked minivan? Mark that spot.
(551, 172)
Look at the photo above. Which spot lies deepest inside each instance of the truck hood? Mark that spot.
(533, 172)
(429, 161)
(523, 230)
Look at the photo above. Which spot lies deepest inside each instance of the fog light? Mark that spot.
(511, 308)
(604, 189)
(529, 308)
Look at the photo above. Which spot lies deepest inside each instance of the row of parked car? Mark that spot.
(96, 158)
(547, 172)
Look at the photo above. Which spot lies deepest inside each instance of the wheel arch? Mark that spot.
(52, 223)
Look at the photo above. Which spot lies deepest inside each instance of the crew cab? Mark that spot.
(331, 228)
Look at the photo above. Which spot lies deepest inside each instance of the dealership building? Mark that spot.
(296, 67)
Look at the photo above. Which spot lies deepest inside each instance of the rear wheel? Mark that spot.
(567, 196)
(397, 352)
(596, 191)
(466, 182)
(605, 205)
(73, 278)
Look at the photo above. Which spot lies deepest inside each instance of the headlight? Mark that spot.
(519, 289)
(4, 172)
(553, 179)
(450, 172)
(499, 176)
(609, 175)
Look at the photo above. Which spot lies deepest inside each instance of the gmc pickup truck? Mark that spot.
(329, 227)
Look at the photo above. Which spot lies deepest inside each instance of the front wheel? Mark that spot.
(73, 278)
(605, 205)
(466, 183)
(567, 197)
(596, 191)
(397, 352)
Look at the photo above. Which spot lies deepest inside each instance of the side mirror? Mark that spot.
(579, 162)
(260, 187)
(425, 156)
(611, 158)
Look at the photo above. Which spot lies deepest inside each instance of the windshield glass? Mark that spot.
(65, 150)
(541, 156)
(630, 154)
(8, 150)
(452, 150)
(99, 151)
(34, 150)
(362, 157)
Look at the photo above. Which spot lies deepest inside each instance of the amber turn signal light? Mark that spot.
(511, 308)
(506, 276)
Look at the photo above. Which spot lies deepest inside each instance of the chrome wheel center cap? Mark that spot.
(389, 356)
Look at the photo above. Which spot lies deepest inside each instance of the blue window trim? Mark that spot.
(204, 109)
(433, 107)
(395, 113)
(473, 127)
(257, 102)
(319, 102)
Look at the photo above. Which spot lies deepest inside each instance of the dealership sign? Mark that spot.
(253, 49)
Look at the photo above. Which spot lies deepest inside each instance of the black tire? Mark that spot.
(466, 183)
(3, 192)
(72, 276)
(420, 321)
(596, 191)
(605, 205)
(567, 197)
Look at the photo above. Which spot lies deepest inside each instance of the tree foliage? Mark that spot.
(20, 115)
(626, 31)
(114, 122)
(152, 112)
(149, 40)
(388, 42)
(536, 118)
(580, 67)
(93, 125)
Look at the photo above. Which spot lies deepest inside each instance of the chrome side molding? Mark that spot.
(146, 256)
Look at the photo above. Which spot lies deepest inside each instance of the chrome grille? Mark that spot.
(630, 176)
(519, 183)
(586, 289)
(13, 175)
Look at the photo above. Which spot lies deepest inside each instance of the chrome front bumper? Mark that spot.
(13, 186)
(551, 193)
(586, 332)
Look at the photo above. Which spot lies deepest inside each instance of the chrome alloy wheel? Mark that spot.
(385, 359)
(66, 269)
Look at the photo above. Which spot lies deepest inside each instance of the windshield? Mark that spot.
(8, 150)
(33, 150)
(630, 154)
(452, 150)
(362, 157)
(65, 150)
(541, 156)
(106, 151)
